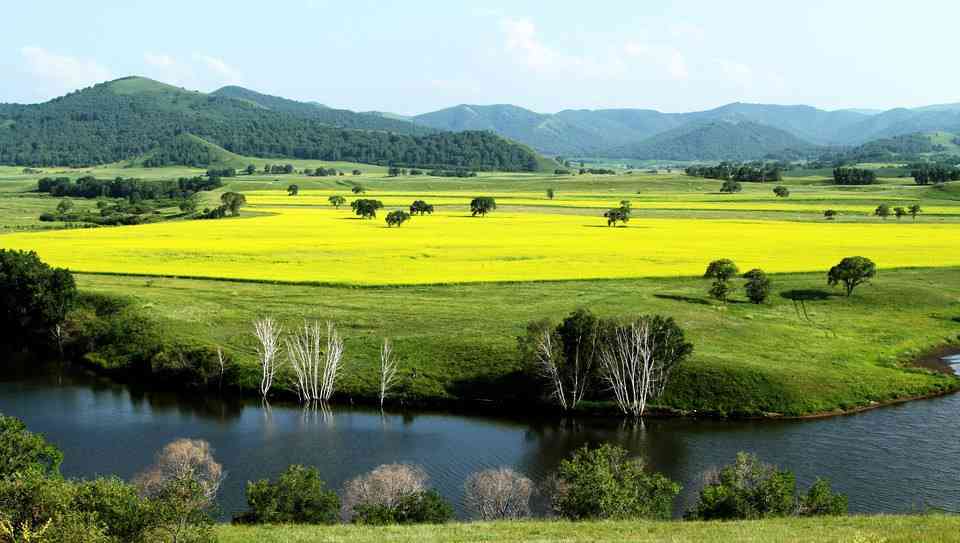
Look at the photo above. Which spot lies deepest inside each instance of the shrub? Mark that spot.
(298, 496)
(498, 494)
(750, 489)
(423, 507)
(603, 483)
(385, 486)
(22, 450)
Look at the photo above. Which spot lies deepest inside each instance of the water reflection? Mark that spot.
(894, 459)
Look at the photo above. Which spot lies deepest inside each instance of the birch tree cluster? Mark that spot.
(629, 361)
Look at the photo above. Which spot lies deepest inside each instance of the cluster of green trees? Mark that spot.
(731, 186)
(459, 172)
(854, 176)
(278, 169)
(420, 207)
(756, 172)
(722, 272)
(932, 174)
(111, 212)
(325, 172)
(597, 171)
(884, 210)
(101, 126)
(619, 214)
(129, 188)
(482, 205)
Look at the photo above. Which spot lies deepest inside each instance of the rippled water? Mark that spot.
(895, 459)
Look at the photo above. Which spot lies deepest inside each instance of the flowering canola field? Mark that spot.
(332, 246)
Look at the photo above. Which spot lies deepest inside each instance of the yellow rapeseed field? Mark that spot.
(325, 245)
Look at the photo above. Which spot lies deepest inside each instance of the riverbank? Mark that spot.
(865, 529)
(808, 351)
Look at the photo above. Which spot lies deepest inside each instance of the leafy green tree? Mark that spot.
(781, 191)
(730, 186)
(299, 496)
(357, 172)
(422, 507)
(233, 201)
(852, 272)
(829, 214)
(721, 271)
(190, 204)
(882, 211)
(749, 489)
(34, 298)
(64, 206)
(358, 189)
(899, 212)
(365, 208)
(397, 218)
(482, 205)
(21, 450)
(336, 200)
(914, 210)
(758, 285)
(602, 483)
(420, 207)
(616, 215)
(251, 169)
(550, 193)
(293, 190)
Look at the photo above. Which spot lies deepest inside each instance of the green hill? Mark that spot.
(718, 140)
(189, 150)
(341, 118)
(129, 117)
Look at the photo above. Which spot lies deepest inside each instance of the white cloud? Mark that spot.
(219, 67)
(60, 73)
(521, 38)
(159, 60)
(667, 59)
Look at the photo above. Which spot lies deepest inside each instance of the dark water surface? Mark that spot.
(900, 458)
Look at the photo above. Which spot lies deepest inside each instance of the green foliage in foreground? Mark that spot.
(872, 529)
(842, 353)
(423, 507)
(298, 496)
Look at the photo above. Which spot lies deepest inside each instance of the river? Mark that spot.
(900, 458)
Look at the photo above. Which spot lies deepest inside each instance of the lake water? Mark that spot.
(901, 458)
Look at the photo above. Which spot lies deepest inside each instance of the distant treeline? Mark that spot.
(854, 176)
(131, 189)
(730, 171)
(926, 174)
(597, 171)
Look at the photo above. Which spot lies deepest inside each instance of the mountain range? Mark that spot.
(133, 116)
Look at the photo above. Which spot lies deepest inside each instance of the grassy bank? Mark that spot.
(808, 350)
(873, 529)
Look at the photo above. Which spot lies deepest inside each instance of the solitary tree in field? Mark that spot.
(758, 285)
(852, 272)
(366, 209)
(550, 193)
(730, 186)
(721, 271)
(420, 207)
(914, 210)
(233, 201)
(251, 169)
(829, 214)
(357, 172)
(616, 215)
(899, 212)
(482, 205)
(336, 200)
(397, 218)
(781, 191)
(358, 189)
(293, 190)
(882, 211)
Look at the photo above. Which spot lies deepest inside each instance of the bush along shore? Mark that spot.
(175, 497)
(580, 362)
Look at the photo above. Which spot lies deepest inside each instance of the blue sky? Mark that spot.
(417, 56)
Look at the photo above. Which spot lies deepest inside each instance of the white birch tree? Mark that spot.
(268, 333)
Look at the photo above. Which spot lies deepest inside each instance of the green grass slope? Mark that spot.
(859, 529)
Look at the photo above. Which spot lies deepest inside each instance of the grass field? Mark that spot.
(875, 529)
(454, 291)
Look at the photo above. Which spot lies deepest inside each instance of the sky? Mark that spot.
(416, 56)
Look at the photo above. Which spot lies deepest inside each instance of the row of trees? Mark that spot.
(854, 176)
(754, 172)
(932, 174)
(129, 188)
(884, 210)
(174, 499)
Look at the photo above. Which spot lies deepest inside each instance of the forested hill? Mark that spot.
(719, 140)
(129, 117)
(341, 118)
